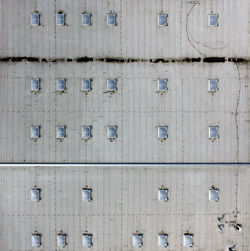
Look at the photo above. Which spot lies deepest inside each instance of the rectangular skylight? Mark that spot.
(61, 85)
(86, 132)
(87, 194)
(35, 132)
(35, 194)
(213, 132)
(35, 85)
(162, 85)
(86, 85)
(86, 19)
(112, 132)
(213, 20)
(36, 240)
(213, 85)
(162, 20)
(162, 240)
(61, 240)
(60, 132)
(35, 19)
(188, 240)
(60, 19)
(162, 132)
(111, 19)
(111, 85)
(213, 194)
(163, 194)
(87, 240)
(137, 240)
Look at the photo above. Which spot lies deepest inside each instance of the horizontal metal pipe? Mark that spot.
(22, 164)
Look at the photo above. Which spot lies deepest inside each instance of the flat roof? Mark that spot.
(125, 200)
(136, 108)
(136, 35)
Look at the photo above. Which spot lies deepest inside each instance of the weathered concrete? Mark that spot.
(137, 109)
(124, 201)
(136, 35)
(137, 53)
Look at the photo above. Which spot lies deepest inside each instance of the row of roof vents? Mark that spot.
(61, 240)
(137, 240)
(111, 19)
(87, 194)
(213, 132)
(111, 85)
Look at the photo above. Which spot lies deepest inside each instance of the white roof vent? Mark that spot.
(35, 194)
(162, 85)
(163, 194)
(60, 19)
(213, 132)
(162, 20)
(213, 20)
(60, 132)
(86, 85)
(188, 240)
(213, 85)
(87, 194)
(112, 132)
(137, 240)
(36, 240)
(86, 19)
(35, 19)
(111, 85)
(87, 240)
(162, 132)
(61, 85)
(35, 85)
(61, 240)
(111, 19)
(162, 240)
(35, 132)
(213, 194)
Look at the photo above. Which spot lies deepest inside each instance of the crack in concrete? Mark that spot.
(236, 112)
(187, 31)
(191, 40)
(237, 138)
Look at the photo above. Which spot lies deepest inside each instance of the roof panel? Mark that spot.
(116, 188)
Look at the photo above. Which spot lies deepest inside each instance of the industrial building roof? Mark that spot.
(124, 125)
(125, 202)
(136, 109)
(136, 35)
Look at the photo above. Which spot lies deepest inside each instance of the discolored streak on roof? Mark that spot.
(86, 59)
